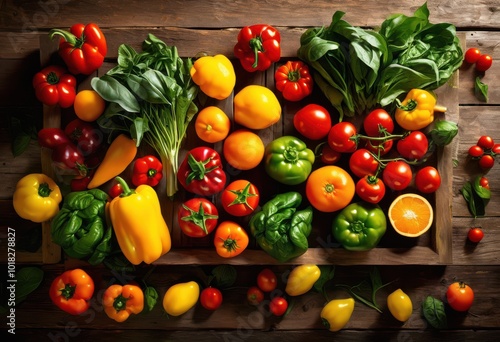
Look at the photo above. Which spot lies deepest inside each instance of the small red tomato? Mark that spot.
(476, 151)
(484, 62)
(460, 296)
(115, 191)
(255, 295)
(475, 234)
(267, 280)
(496, 149)
(414, 146)
(363, 163)
(486, 162)
(472, 55)
(329, 156)
(484, 183)
(313, 121)
(211, 298)
(397, 175)
(278, 306)
(376, 122)
(370, 189)
(486, 142)
(427, 180)
(342, 137)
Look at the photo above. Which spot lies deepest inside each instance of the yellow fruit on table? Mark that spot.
(400, 305)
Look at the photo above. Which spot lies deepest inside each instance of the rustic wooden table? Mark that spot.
(211, 27)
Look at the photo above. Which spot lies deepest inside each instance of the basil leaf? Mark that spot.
(113, 91)
(224, 276)
(481, 90)
(28, 280)
(434, 312)
(150, 297)
(468, 196)
(483, 193)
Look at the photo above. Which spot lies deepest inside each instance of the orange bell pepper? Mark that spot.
(72, 291)
(121, 301)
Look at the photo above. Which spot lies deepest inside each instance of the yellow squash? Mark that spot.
(400, 305)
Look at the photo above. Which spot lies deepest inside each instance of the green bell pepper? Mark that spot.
(280, 229)
(80, 227)
(288, 160)
(359, 226)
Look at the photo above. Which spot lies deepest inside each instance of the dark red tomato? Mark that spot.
(278, 306)
(370, 189)
(255, 295)
(115, 191)
(427, 180)
(197, 217)
(496, 149)
(329, 156)
(211, 298)
(379, 148)
(69, 158)
(484, 62)
(475, 234)
(472, 55)
(413, 146)
(267, 280)
(397, 175)
(486, 142)
(484, 183)
(313, 121)
(476, 151)
(52, 137)
(363, 163)
(342, 137)
(85, 136)
(376, 122)
(486, 162)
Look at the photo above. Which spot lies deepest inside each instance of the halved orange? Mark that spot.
(411, 215)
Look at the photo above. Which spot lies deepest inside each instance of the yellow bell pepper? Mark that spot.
(139, 226)
(37, 197)
(214, 75)
(400, 305)
(256, 107)
(337, 313)
(181, 297)
(302, 279)
(417, 110)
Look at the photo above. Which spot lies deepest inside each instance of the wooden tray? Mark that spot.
(432, 248)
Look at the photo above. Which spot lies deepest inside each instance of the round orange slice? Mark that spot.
(411, 215)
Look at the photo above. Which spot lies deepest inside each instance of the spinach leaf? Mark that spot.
(112, 90)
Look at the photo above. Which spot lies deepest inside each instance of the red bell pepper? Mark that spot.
(147, 170)
(294, 80)
(258, 47)
(82, 48)
(72, 291)
(54, 85)
(201, 172)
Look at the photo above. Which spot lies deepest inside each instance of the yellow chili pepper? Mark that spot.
(139, 226)
(181, 297)
(337, 313)
(120, 302)
(214, 75)
(302, 279)
(417, 110)
(36, 197)
(256, 107)
(400, 305)
(119, 155)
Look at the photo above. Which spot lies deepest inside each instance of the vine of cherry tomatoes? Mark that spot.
(485, 151)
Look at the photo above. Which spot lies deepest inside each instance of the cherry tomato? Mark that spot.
(380, 148)
(427, 179)
(255, 295)
(267, 280)
(115, 191)
(397, 175)
(377, 121)
(460, 296)
(370, 189)
(211, 298)
(313, 121)
(240, 198)
(363, 163)
(52, 137)
(484, 183)
(68, 157)
(87, 137)
(476, 151)
(413, 146)
(329, 156)
(484, 62)
(278, 306)
(486, 142)
(341, 137)
(472, 55)
(486, 162)
(475, 234)
(197, 217)
(496, 149)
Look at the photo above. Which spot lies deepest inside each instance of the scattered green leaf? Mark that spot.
(481, 90)
(434, 312)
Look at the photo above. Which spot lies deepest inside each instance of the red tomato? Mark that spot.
(380, 148)
(496, 149)
(363, 163)
(211, 298)
(342, 137)
(267, 280)
(278, 306)
(313, 121)
(397, 175)
(475, 234)
(197, 217)
(376, 122)
(329, 156)
(484, 183)
(68, 157)
(115, 191)
(472, 55)
(87, 137)
(413, 146)
(460, 296)
(52, 137)
(486, 142)
(370, 189)
(427, 180)
(240, 198)
(476, 151)
(486, 162)
(484, 63)
(255, 295)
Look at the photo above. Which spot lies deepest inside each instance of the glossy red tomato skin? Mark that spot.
(397, 175)
(375, 118)
(267, 280)
(475, 151)
(67, 156)
(486, 142)
(255, 295)
(87, 137)
(428, 179)
(496, 149)
(370, 189)
(472, 55)
(486, 162)
(475, 234)
(278, 306)
(484, 62)
(414, 146)
(329, 156)
(484, 182)
(362, 163)
(52, 137)
(192, 209)
(342, 137)
(313, 121)
(460, 296)
(211, 298)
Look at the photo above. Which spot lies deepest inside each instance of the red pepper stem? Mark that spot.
(126, 189)
(67, 36)
(152, 172)
(52, 78)
(68, 291)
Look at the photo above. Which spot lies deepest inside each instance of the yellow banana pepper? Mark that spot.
(302, 279)
(37, 198)
(139, 226)
(417, 110)
(256, 107)
(337, 313)
(181, 297)
(214, 75)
